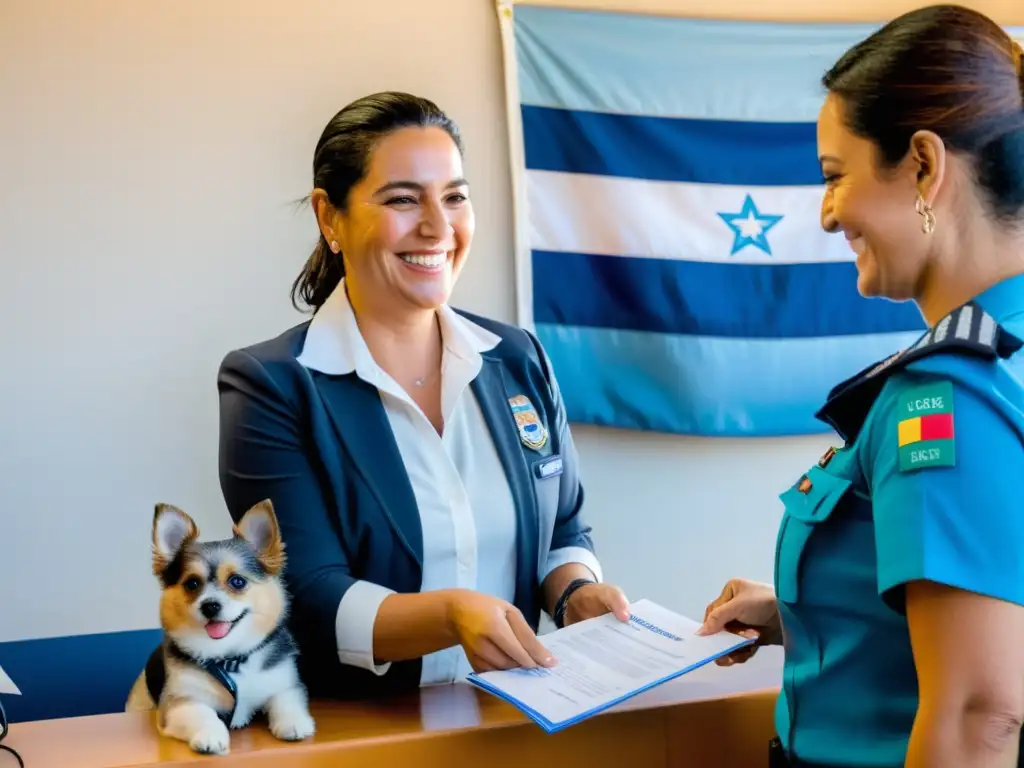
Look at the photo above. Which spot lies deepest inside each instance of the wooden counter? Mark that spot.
(712, 717)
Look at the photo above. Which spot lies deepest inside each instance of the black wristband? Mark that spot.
(563, 601)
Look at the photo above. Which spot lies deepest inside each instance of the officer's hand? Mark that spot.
(747, 608)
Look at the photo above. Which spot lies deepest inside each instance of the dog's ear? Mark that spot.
(172, 530)
(259, 528)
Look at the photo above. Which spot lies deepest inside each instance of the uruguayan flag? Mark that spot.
(670, 255)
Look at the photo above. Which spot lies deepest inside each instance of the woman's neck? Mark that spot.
(407, 344)
(981, 257)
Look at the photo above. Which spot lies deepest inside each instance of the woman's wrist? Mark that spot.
(562, 604)
(451, 602)
(771, 633)
(414, 624)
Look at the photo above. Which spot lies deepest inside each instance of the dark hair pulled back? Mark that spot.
(949, 70)
(340, 161)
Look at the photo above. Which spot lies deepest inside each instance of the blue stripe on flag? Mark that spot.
(710, 298)
(673, 67)
(671, 149)
(704, 386)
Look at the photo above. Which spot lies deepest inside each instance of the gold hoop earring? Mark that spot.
(926, 212)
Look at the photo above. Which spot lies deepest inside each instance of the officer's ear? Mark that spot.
(927, 158)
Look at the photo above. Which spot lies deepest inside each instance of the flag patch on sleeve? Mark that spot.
(925, 433)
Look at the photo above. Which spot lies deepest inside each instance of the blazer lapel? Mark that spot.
(362, 425)
(493, 395)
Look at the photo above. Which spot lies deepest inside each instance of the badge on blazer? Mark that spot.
(533, 434)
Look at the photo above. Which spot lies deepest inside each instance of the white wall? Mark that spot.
(149, 156)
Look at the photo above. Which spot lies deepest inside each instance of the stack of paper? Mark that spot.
(604, 661)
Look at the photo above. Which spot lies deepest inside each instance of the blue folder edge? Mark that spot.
(551, 727)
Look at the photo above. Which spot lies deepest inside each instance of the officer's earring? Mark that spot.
(334, 246)
(926, 212)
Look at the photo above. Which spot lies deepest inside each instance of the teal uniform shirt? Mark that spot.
(929, 484)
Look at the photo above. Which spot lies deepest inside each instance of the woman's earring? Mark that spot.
(926, 212)
(334, 246)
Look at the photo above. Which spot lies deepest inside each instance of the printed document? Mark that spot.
(604, 661)
(7, 685)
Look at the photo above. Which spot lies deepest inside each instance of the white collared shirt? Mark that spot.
(466, 509)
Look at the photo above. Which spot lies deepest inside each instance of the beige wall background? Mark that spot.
(150, 153)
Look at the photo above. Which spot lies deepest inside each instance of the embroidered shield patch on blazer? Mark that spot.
(531, 431)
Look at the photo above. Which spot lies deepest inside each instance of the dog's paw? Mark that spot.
(211, 739)
(292, 726)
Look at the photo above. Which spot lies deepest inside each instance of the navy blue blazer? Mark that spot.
(321, 449)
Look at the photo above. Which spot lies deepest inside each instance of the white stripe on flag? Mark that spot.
(602, 215)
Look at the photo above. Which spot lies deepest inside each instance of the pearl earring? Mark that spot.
(926, 212)
(334, 246)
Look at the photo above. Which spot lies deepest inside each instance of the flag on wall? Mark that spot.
(669, 249)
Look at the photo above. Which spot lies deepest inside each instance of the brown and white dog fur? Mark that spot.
(223, 600)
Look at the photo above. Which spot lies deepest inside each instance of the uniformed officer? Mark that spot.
(899, 574)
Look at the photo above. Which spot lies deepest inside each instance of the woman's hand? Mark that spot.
(494, 633)
(747, 608)
(596, 600)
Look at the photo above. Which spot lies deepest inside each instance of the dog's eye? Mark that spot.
(192, 584)
(236, 582)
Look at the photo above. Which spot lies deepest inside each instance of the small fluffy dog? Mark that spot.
(227, 653)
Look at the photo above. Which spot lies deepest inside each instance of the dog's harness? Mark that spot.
(219, 669)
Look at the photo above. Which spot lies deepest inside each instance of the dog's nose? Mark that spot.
(209, 608)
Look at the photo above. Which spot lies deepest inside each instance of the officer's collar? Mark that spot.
(967, 330)
(1004, 302)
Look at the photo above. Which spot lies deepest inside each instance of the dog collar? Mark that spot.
(231, 664)
(222, 669)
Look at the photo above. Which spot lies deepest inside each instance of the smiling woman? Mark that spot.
(945, 133)
(419, 459)
(898, 569)
(378, 163)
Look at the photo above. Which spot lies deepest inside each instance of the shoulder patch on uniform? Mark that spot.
(967, 330)
(924, 430)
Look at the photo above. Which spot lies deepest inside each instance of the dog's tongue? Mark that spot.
(218, 629)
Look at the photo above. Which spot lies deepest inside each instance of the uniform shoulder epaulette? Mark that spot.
(967, 330)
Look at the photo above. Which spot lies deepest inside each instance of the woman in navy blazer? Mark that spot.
(418, 457)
